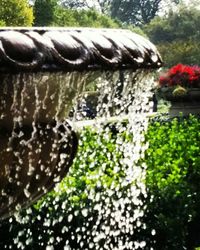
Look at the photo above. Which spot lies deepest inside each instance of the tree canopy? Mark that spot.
(83, 18)
(177, 35)
(135, 12)
(15, 13)
(44, 12)
(179, 25)
(56, 14)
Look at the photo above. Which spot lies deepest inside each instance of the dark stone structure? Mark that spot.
(41, 49)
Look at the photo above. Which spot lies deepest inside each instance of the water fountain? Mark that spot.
(43, 72)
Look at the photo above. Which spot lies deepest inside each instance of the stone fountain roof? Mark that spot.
(67, 49)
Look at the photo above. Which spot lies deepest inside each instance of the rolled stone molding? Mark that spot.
(67, 49)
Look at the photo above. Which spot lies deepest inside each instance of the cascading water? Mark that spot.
(38, 145)
(35, 143)
(118, 208)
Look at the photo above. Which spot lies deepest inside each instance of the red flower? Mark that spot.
(180, 74)
(176, 69)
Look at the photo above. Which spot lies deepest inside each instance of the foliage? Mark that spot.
(173, 177)
(135, 12)
(56, 15)
(127, 11)
(178, 25)
(82, 18)
(180, 51)
(44, 18)
(72, 13)
(2, 23)
(135, 29)
(177, 36)
(16, 13)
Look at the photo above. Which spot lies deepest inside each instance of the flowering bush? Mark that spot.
(181, 75)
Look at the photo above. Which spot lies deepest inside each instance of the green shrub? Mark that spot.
(173, 182)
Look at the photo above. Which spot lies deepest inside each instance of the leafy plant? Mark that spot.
(173, 177)
(16, 13)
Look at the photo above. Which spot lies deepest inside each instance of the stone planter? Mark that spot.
(185, 104)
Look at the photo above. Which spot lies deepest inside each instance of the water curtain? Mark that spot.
(43, 72)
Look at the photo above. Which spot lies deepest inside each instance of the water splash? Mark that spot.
(112, 215)
(37, 144)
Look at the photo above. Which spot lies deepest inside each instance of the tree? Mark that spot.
(69, 13)
(180, 51)
(136, 12)
(15, 13)
(75, 13)
(179, 25)
(44, 12)
(177, 36)
(81, 4)
(82, 18)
